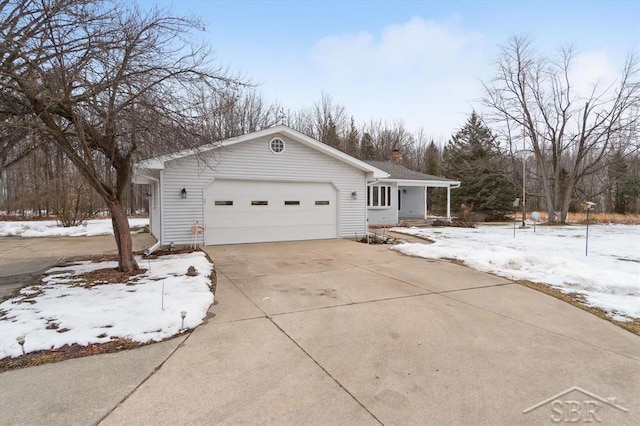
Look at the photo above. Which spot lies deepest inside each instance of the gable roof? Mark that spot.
(158, 162)
(398, 171)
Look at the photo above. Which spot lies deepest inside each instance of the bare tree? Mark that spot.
(238, 112)
(326, 121)
(426, 154)
(103, 81)
(569, 133)
(389, 136)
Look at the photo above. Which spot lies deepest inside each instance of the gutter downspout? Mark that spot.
(366, 207)
(154, 247)
(161, 206)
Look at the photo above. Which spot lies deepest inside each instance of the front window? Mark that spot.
(379, 196)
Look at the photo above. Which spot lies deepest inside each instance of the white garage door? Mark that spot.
(259, 211)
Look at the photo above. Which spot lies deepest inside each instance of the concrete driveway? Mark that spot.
(337, 332)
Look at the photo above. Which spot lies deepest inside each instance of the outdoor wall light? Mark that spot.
(183, 193)
(354, 195)
(183, 315)
(20, 340)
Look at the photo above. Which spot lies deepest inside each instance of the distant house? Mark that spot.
(403, 194)
(276, 184)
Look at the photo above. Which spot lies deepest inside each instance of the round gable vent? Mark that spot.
(276, 145)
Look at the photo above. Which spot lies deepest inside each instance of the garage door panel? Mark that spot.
(254, 234)
(243, 222)
(243, 219)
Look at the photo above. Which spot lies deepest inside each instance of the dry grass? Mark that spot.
(580, 217)
(623, 219)
(108, 276)
(66, 352)
(72, 351)
(577, 300)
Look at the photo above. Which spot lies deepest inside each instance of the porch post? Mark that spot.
(448, 203)
(426, 207)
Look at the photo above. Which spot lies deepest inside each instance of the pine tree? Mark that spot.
(352, 140)
(473, 157)
(436, 197)
(330, 134)
(367, 150)
(624, 187)
(432, 159)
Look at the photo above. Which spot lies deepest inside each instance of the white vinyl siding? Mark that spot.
(253, 160)
(413, 202)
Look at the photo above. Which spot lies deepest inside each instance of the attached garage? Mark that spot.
(276, 184)
(249, 211)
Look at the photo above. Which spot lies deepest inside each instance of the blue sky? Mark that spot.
(418, 61)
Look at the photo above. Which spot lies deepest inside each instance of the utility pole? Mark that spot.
(524, 175)
(524, 152)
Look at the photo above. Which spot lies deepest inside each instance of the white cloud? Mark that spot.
(400, 48)
(427, 73)
(592, 69)
(424, 72)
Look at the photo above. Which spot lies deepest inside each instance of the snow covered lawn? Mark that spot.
(65, 310)
(609, 277)
(50, 228)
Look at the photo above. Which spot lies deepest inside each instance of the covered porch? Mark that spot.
(403, 195)
(413, 200)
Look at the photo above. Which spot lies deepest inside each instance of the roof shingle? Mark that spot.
(398, 171)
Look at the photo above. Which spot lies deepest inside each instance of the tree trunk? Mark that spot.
(122, 233)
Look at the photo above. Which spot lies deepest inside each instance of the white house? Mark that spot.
(276, 184)
(403, 194)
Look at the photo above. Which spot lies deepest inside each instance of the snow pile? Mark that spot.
(50, 228)
(609, 277)
(63, 312)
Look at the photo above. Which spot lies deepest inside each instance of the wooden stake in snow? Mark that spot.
(163, 295)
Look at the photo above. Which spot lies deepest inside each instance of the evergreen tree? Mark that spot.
(330, 134)
(352, 140)
(436, 197)
(432, 159)
(367, 149)
(629, 194)
(624, 187)
(472, 157)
